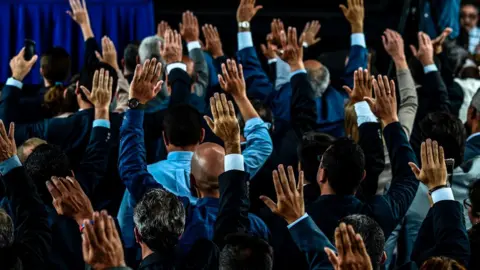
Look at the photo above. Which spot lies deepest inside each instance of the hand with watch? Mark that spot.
(245, 13)
(145, 85)
(434, 169)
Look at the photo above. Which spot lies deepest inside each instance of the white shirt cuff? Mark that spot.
(430, 68)
(359, 40)
(176, 65)
(13, 82)
(297, 221)
(305, 44)
(234, 162)
(473, 136)
(364, 113)
(443, 194)
(273, 60)
(193, 45)
(244, 40)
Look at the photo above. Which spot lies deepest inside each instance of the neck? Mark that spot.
(325, 189)
(188, 148)
(210, 194)
(145, 251)
(83, 105)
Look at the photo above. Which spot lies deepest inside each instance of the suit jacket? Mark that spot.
(311, 241)
(443, 233)
(32, 233)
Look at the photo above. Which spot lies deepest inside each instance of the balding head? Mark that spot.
(207, 164)
(318, 75)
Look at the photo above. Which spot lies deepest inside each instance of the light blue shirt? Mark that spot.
(364, 113)
(430, 68)
(9, 164)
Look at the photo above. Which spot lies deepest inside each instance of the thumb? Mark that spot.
(415, 169)
(85, 91)
(257, 8)
(414, 50)
(348, 90)
(269, 203)
(344, 9)
(332, 257)
(210, 122)
(99, 56)
(157, 88)
(316, 40)
(32, 61)
(371, 103)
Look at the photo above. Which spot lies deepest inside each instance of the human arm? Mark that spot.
(394, 45)
(79, 14)
(190, 32)
(32, 230)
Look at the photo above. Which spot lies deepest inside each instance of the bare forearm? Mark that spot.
(87, 32)
(102, 114)
(246, 108)
(400, 63)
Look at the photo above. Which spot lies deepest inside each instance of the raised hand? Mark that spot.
(79, 12)
(171, 49)
(101, 244)
(292, 49)
(189, 28)
(269, 50)
(290, 205)
(247, 10)
(355, 14)
(101, 94)
(277, 28)
(438, 41)
(8, 148)
(424, 53)
(109, 53)
(393, 44)
(434, 168)
(384, 106)
(310, 33)
(212, 40)
(162, 27)
(69, 199)
(352, 253)
(21, 67)
(362, 86)
(232, 80)
(146, 81)
(224, 123)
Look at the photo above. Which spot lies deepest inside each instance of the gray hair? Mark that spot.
(319, 79)
(149, 49)
(476, 100)
(6, 229)
(160, 220)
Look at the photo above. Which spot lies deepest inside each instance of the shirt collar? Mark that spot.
(473, 136)
(180, 155)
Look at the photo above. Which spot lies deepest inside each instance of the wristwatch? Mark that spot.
(135, 104)
(245, 25)
(437, 188)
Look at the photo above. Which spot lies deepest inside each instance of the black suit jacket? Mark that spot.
(32, 232)
(443, 233)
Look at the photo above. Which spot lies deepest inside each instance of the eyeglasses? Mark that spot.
(467, 203)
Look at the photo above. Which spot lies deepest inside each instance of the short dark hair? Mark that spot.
(310, 151)
(160, 220)
(344, 165)
(182, 125)
(55, 64)
(448, 131)
(242, 252)
(45, 161)
(474, 196)
(86, 77)
(130, 55)
(263, 111)
(372, 235)
(436, 263)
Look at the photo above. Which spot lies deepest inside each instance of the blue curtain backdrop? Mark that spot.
(46, 22)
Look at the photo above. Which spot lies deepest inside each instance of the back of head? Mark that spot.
(130, 55)
(310, 151)
(150, 48)
(372, 235)
(45, 161)
(207, 165)
(474, 196)
(318, 75)
(55, 65)
(27, 148)
(263, 111)
(448, 131)
(159, 219)
(182, 126)
(245, 252)
(87, 74)
(441, 263)
(344, 166)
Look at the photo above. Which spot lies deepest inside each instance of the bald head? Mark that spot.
(207, 164)
(318, 76)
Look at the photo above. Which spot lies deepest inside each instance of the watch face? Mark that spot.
(133, 103)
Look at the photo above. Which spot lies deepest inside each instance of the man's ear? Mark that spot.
(384, 258)
(41, 71)
(203, 136)
(321, 176)
(65, 93)
(364, 175)
(138, 237)
(77, 88)
(165, 141)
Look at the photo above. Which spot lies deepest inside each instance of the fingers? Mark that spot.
(95, 80)
(291, 179)
(332, 258)
(86, 92)
(339, 241)
(109, 226)
(430, 152)
(231, 109)
(423, 154)
(210, 122)
(222, 82)
(435, 153)
(301, 180)
(344, 9)
(3, 132)
(353, 241)
(220, 109)
(52, 189)
(347, 245)
(415, 169)
(381, 87)
(11, 133)
(414, 50)
(284, 181)
(99, 226)
(213, 108)
(269, 203)
(356, 79)
(278, 185)
(348, 90)
(59, 185)
(89, 232)
(224, 103)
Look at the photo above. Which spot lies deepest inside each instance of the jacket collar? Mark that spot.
(180, 156)
(157, 259)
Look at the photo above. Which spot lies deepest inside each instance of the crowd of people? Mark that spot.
(198, 160)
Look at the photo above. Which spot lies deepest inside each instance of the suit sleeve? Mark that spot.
(433, 96)
(93, 167)
(370, 140)
(180, 83)
(358, 58)
(311, 241)
(33, 236)
(444, 228)
(91, 46)
(404, 183)
(303, 106)
(234, 204)
(408, 100)
(201, 71)
(259, 145)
